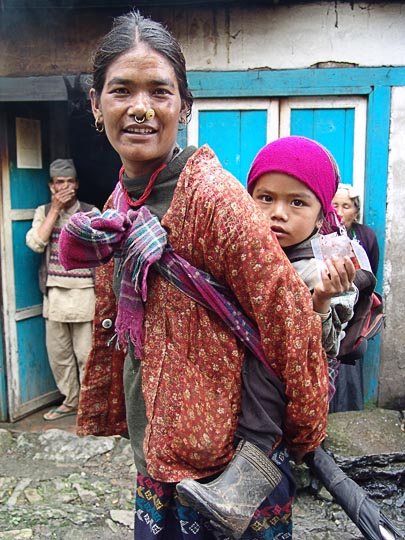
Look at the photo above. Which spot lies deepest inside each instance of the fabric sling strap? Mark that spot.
(202, 288)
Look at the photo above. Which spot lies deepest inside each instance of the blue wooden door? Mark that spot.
(339, 123)
(334, 128)
(30, 384)
(235, 146)
(235, 131)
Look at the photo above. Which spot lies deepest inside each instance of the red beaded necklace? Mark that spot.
(148, 188)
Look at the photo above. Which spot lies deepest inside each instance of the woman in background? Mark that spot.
(346, 202)
(349, 395)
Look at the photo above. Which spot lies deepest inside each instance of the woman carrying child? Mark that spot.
(182, 371)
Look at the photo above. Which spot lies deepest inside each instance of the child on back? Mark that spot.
(293, 180)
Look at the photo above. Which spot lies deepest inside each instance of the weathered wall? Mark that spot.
(286, 37)
(50, 41)
(278, 37)
(392, 367)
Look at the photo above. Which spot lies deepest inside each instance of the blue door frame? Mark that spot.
(375, 84)
(26, 380)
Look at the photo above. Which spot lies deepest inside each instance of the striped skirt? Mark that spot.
(160, 515)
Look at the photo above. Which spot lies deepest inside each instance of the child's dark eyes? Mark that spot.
(297, 203)
(266, 198)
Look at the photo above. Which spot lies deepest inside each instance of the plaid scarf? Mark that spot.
(137, 237)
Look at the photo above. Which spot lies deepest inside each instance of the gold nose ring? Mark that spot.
(150, 113)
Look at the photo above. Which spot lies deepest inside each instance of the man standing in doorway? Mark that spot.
(69, 297)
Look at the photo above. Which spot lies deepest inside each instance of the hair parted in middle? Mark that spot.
(127, 32)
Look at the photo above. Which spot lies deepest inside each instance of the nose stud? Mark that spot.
(149, 115)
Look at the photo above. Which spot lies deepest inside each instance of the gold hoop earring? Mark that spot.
(99, 127)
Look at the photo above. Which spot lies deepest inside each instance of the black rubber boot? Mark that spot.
(231, 499)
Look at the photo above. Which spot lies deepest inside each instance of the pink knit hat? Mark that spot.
(306, 160)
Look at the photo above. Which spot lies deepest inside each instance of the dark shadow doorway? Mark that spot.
(96, 161)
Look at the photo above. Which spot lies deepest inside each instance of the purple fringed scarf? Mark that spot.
(92, 239)
(142, 247)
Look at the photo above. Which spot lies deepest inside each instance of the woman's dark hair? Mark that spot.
(130, 29)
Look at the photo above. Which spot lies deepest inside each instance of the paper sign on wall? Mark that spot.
(28, 142)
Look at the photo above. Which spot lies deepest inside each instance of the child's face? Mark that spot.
(292, 208)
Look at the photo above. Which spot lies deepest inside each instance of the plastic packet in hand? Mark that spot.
(325, 246)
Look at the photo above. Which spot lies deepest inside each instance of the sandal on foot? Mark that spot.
(55, 414)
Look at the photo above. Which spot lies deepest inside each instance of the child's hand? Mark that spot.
(336, 279)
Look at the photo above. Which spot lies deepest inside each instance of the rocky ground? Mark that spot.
(55, 485)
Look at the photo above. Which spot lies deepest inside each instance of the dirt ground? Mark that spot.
(55, 485)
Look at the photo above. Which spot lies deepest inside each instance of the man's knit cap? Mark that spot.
(62, 167)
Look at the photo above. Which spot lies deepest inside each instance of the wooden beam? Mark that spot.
(50, 88)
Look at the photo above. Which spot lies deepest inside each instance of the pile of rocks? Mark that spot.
(57, 485)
